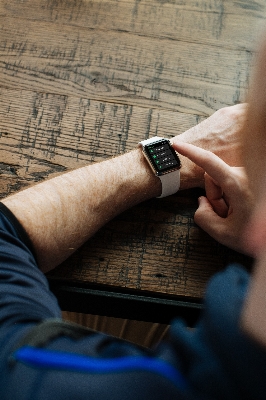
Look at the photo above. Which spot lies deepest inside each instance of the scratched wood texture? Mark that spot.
(84, 80)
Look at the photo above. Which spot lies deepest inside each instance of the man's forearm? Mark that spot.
(60, 214)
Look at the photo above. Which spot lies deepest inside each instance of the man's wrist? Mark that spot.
(191, 175)
(150, 185)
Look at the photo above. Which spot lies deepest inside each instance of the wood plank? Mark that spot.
(121, 67)
(224, 23)
(44, 134)
(142, 333)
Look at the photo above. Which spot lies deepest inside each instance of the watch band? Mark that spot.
(171, 180)
(170, 183)
(150, 140)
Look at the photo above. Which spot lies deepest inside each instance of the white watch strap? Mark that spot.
(171, 181)
(150, 140)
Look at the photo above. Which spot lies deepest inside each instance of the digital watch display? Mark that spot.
(162, 157)
(164, 162)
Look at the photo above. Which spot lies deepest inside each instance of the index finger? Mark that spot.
(212, 164)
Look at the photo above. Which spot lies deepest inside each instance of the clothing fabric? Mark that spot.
(43, 358)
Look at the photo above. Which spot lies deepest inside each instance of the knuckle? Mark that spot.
(233, 113)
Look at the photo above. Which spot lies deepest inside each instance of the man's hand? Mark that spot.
(219, 134)
(225, 210)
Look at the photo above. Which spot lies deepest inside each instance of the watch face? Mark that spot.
(162, 156)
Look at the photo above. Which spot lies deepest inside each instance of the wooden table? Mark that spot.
(82, 81)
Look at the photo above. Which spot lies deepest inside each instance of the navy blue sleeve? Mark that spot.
(213, 361)
(25, 297)
(95, 366)
(24, 294)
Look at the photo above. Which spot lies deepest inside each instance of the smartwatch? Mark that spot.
(164, 162)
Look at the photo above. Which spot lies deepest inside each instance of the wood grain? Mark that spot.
(84, 80)
(43, 134)
(222, 23)
(139, 70)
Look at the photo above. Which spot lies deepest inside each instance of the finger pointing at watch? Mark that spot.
(208, 161)
(225, 210)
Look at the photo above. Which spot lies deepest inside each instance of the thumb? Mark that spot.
(214, 194)
(207, 219)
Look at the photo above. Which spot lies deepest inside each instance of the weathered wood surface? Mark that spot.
(84, 80)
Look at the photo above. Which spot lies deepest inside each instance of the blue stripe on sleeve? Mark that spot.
(43, 358)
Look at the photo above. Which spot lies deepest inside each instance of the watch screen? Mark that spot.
(162, 156)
